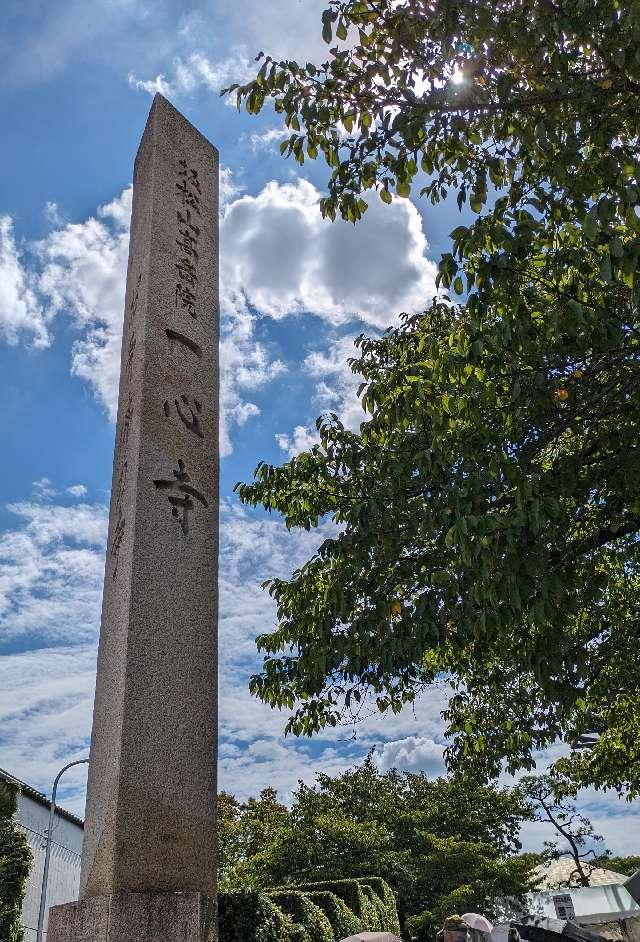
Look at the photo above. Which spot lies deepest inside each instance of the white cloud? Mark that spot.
(197, 71)
(52, 214)
(77, 490)
(228, 188)
(281, 257)
(335, 390)
(284, 29)
(51, 570)
(267, 139)
(83, 275)
(20, 313)
(301, 439)
(413, 754)
(278, 257)
(42, 489)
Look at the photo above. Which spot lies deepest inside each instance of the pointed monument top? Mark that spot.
(165, 117)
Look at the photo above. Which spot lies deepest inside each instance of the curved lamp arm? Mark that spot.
(47, 853)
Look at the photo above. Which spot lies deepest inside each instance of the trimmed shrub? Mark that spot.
(373, 917)
(304, 913)
(15, 861)
(371, 899)
(343, 921)
(249, 916)
(349, 891)
(387, 906)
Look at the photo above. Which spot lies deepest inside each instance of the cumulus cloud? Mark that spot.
(83, 274)
(413, 754)
(278, 258)
(51, 570)
(335, 390)
(21, 315)
(301, 439)
(197, 71)
(77, 490)
(282, 258)
(267, 139)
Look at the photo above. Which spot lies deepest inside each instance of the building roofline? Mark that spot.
(41, 799)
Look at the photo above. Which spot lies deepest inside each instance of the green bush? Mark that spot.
(349, 891)
(304, 913)
(343, 921)
(371, 899)
(15, 861)
(386, 905)
(249, 916)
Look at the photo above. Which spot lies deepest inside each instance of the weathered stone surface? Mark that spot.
(135, 917)
(152, 788)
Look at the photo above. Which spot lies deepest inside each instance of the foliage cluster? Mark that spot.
(15, 861)
(489, 505)
(307, 913)
(433, 842)
(371, 899)
(626, 865)
(309, 920)
(246, 915)
(344, 921)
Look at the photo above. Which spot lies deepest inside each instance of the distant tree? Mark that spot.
(245, 829)
(15, 862)
(577, 836)
(625, 865)
(489, 506)
(434, 842)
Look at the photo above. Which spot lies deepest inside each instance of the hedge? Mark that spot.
(371, 899)
(15, 861)
(249, 916)
(312, 912)
(306, 914)
(386, 904)
(349, 891)
(343, 921)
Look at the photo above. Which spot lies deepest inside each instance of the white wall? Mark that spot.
(64, 866)
(587, 900)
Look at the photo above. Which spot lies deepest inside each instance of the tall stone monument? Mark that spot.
(149, 858)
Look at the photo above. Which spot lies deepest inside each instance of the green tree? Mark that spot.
(245, 829)
(625, 865)
(432, 841)
(489, 506)
(15, 861)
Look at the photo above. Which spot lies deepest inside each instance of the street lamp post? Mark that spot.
(47, 853)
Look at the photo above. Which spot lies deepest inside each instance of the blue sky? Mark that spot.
(76, 82)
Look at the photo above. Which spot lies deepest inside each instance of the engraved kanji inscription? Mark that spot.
(185, 341)
(130, 355)
(186, 299)
(187, 272)
(116, 543)
(127, 417)
(181, 495)
(188, 412)
(189, 186)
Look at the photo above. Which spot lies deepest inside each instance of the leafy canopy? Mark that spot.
(489, 505)
(434, 842)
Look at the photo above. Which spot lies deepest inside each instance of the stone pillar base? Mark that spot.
(135, 917)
